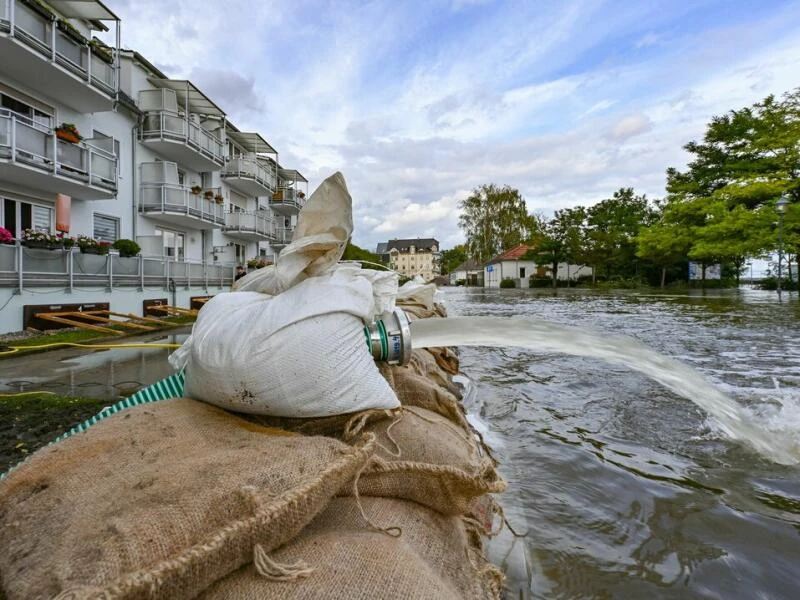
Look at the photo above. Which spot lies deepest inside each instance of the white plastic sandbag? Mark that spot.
(299, 350)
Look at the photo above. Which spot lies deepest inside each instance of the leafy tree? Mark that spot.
(561, 239)
(493, 219)
(453, 257)
(613, 225)
(747, 159)
(353, 252)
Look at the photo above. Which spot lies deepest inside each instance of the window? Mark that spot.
(174, 243)
(26, 110)
(106, 228)
(240, 253)
(19, 216)
(522, 272)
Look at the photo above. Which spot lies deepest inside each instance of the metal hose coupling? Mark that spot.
(389, 338)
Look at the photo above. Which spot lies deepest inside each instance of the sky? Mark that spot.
(419, 102)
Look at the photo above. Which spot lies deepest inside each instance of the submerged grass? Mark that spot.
(30, 421)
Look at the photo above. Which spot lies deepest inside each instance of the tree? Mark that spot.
(613, 225)
(453, 258)
(493, 219)
(561, 239)
(747, 159)
(353, 252)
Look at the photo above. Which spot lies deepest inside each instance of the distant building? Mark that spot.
(411, 257)
(470, 272)
(509, 265)
(513, 265)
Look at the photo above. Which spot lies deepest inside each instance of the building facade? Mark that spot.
(412, 257)
(155, 160)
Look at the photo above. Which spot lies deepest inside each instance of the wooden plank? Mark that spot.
(71, 323)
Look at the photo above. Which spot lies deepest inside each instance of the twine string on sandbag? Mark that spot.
(274, 571)
(355, 425)
(394, 532)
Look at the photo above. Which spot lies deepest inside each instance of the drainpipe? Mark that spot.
(135, 196)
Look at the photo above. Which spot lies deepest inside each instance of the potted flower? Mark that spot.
(258, 263)
(88, 245)
(209, 194)
(103, 247)
(219, 199)
(196, 189)
(69, 133)
(33, 238)
(5, 236)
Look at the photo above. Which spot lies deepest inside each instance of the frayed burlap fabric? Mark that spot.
(433, 559)
(424, 457)
(160, 501)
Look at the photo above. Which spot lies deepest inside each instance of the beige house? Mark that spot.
(413, 257)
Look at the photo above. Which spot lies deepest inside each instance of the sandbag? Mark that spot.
(433, 558)
(424, 457)
(301, 353)
(161, 500)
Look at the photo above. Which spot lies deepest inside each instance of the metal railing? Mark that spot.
(259, 222)
(252, 168)
(41, 34)
(178, 199)
(25, 141)
(283, 236)
(22, 267)
(289, 196)
(166, 124)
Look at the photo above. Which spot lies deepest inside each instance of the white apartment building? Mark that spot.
(159, 163)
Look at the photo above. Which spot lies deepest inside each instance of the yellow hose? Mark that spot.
(14, 349)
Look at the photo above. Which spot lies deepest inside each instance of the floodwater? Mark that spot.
(627, 489)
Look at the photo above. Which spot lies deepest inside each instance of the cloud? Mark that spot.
(232, 92)
(418, 103)
(631, 126)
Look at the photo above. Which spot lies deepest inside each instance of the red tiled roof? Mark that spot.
(516, 253)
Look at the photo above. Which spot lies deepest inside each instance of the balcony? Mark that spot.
(175, 204)
(250, 176)
(54, 60)
(255, 226)
(283, 237)
(286, 201)
(184, 141)
(22, 267)
(27, 151)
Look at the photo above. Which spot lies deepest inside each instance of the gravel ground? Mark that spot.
(30, 333)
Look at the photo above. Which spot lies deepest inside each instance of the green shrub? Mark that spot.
(127, 247)
(508, 283)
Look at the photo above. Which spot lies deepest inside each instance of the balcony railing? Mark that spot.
(169, 125)
(24, 141)
(169, 198)
(287, 197)
(283, 236)
(22, 267)
(40, 34)
(258, 222)
(251, 168)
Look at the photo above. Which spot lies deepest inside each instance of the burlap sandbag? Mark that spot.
(160, 501)
(424, 457)
(433, 558)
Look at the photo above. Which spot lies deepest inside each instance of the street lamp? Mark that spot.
(780, 206)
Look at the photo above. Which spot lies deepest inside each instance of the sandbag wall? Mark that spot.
(179, 499)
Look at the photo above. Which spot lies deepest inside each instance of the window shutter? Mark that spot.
(106, 229)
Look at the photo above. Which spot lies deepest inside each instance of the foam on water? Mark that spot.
(771, 428)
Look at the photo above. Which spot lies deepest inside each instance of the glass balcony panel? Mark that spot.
(72, 156)
(102, 72)
(72, 51)
(103, 167)
(33, 24)
(32, 140)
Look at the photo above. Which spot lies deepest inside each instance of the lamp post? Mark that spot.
(780, 206)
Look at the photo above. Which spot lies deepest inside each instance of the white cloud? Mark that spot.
(631, 126)
(416, 113)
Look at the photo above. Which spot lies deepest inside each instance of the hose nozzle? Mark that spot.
(389, 338)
